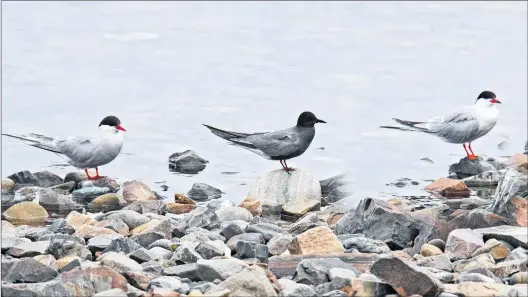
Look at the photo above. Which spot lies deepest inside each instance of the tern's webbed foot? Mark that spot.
(472, 157)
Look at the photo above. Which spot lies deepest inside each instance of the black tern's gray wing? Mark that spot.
(455, 127)
(78, 149)
(272, 144)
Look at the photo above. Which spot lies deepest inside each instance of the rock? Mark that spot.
(139, 279)
(107, 202)
(185, 254)
(9, 240)
(78, 220)
(167, 282)
(89, 281)
(315, 271)
(428, 250)
(26, 213)
(292, 289)
(122, 245)
(76, 177)
(466, 168)
(519, 278)
(296, 208)
(111, 293)
(335, 293)
(474, 277)
(480, 261)
(320, 240)
(279, 243)
(129, 217)
(513, 235)
(439, 243)
(26, 194)
(251, 237)
(55, 202)
(149, 206)
(178, 208)
(24, 178)
(366, 245)
(441, 262)
(147, 238)
(448, 187)
(208, 251)
(203, 192)
(8, 185)
(508, 199)
(517, 254)
(64, 188)
(341, 272)
(234, 213)
(397, 273)
(186, 162)
(88, 231)
(137, 191)
(480, 289)
(28, 249)
(189, 271)
(484, 179)
(252, 205)
(44, 289)
(379, 220)
(309, 221)
(101, 242)
(29, 270)
(221, 269)
(47, 179)
(71, 265)
(250, 281)
(497, 250)
(114, 224)
(278, 187)
(462, 243)
(182, 199)
(161, 253)
(507, 268)
(118, 262)
(35, 233)
(62, 248)
(160, 292)
(267, 230)
(62, 226)
(65, 261)
(331, 186)
(368, 286)
(203, 217)
(88, 192)
(516, 161)
(152, 267)
(249, 250)
(62, 237)
(231, 230)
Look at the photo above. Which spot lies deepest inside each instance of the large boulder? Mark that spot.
(278, 187)
(54, 288)
(89, 281)
(137, 191)
(57, 203)
(466, 167)
(26, 213)
(511, 197)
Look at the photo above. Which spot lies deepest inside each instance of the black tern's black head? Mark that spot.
(112, 121)
(308, 119)
(488, 95)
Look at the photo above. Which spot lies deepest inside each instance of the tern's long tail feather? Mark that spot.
(38, 141)
(411, 125)
(228, 135)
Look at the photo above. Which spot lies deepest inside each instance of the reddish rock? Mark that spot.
(182, 199)
(521, 211)
(448, 187)
(516, 161)
(253, 206)
(89, 281)
(179, 208)
(462, 243)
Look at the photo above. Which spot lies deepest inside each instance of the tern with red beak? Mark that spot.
(83, 152)
(463, 126)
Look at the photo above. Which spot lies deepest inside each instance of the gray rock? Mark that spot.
(111, 293)
(513, 235)
(341, 272)
(267, 230)
(189, 271)
(397, 273)
(9, 240)
(330, 184)
(129, 217)
(231, 230)
(308, 221)
(185, 254)
(217, 204)
(152, 267)
(462, 243)
(86, 194)
(61, 226)
(122, 245)
(24, 178)
(29, 270)
(35, 233)
(162, 243)
(234, 213)
(61, 248)
(115, 224)
(52, 201)
(70, 266)
(202, 217)
(337, 194)
(335, 284)
(208, 251)
(7, 264)
(53, 288)
(518, 254)
(507, 268)
(198, 236)
(514, 184)
(77, 177)
(101, 242)
(161, 253)
(466, 168)
(251, 281)
(249, 250)
(203, 192)
(28, 249)
(440, 262)
(168, 282)
(147, 238)
(279, 243)
(474, 277)
(484, 179)
(221, 269)
(335, 293)
(366, 245)
(315, 271)
(377, 220)
(148, 206)
(119, 262)
(292, 289)
(186, 162)
(28, 193)
(142, 255)
(47, 179)
(251, 237)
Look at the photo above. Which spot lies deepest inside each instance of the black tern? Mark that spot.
(462, 126)
(83, 152)
(280, 145)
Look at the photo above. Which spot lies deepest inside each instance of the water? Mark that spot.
(164, 68)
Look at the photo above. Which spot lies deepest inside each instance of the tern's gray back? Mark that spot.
(85, 152)
(283, 144)
(458, 127)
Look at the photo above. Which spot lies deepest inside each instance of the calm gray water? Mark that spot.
(164, 68)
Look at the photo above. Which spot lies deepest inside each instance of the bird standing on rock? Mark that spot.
(279, 145)
(83, 152)
(462, 126)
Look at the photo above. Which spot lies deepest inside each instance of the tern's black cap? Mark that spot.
(110, 121)
(487, 95)
(308, 119)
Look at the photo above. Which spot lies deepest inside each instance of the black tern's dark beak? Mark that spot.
(320, 121)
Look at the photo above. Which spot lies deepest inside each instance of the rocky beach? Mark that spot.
(291, 236)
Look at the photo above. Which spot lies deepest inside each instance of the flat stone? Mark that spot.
(88, 231)
(28, 249)
(448, 187)
(221, 269)
(119, 262)
(320, 240)
(296, 208)
(29, 270)
(515, 236)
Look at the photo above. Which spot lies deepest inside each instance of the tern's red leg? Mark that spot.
(97, 173)
(88, 175)
(469, 146)
(470, 156)
(287, 168)
(282, 165)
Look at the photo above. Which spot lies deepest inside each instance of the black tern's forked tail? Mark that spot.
(279, 145)
(462, 126)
